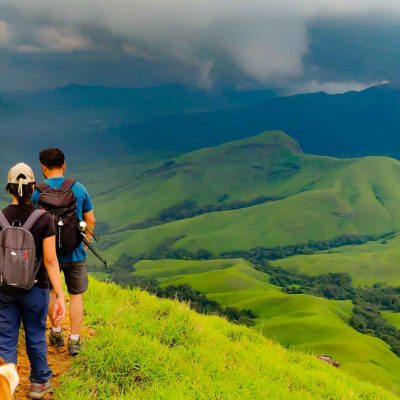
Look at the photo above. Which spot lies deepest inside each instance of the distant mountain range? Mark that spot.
(180, 119)
(349, 124)
(76, 116)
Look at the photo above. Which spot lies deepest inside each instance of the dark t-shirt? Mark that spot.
(42, 229)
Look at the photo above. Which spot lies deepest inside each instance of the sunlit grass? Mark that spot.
(146, 348)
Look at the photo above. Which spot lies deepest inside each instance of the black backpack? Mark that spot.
(18, 263)
(61, 204)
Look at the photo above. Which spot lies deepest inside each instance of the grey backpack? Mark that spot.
(18, 264)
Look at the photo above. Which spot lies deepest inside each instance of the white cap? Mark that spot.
(21, 174)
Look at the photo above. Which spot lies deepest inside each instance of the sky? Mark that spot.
(289, 45)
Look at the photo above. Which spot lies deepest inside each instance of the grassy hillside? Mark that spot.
(145, 348)
(214, 176)
(369, 263)
(303, 198)
(304, 322)
(392, 317)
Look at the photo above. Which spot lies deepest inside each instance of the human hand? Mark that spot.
(59, 309)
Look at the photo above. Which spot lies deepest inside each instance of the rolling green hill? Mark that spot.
(210, 177)
(261, 191)
(304, 322)
(373, 262)
(392, 317)
(145, 348)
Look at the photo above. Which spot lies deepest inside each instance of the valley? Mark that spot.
(265, 198)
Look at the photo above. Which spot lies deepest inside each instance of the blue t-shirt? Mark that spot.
(83, 205)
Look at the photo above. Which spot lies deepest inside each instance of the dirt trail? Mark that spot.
(59, 360)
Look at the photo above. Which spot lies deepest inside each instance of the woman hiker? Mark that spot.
(18, 304)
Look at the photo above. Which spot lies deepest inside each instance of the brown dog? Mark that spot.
(9, 380)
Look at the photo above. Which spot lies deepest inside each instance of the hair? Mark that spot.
(27, 191)
(52, 158)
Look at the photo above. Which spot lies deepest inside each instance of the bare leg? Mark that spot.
(76, 312)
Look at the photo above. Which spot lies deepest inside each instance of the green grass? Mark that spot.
(369, 263)
(304, 322)
(392, 317)
(265, 225)
(146, 348)
(321, 197)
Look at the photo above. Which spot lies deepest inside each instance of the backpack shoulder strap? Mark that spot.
(68, 183)
(32, 219)
(41, 186)
(3, 221)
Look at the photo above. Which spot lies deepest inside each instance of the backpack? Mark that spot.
(18, 264)
(61, 204)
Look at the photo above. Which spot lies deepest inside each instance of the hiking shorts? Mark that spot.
(76, 276)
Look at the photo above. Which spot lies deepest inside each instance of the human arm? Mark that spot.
(90, 220)
(87, 212)
(53, 270)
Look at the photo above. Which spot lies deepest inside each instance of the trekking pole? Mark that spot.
(94, 234)
(94, 251)
(83, 228)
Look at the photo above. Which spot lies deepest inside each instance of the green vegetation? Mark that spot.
(368, 264)
(392, 317)
(120, 273)
(375, 264)
(301, 321)
(259, 255)
(255, 255)
(262, 199)
(368, 302)
(146, 348)
(200, 303)
(367, 318)
(189, 209)
(257, 192)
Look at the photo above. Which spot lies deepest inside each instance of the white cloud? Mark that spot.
(65, 39)
(50, 39)
(332, 87)
(4, 33)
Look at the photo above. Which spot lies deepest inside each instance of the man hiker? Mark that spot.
(72, 263)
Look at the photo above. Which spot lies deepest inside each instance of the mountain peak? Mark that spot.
(265, 146)
(277, 138)
(270, 139)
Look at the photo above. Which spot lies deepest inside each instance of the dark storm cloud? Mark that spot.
(285, 44)
(33, 71)
(363, 49)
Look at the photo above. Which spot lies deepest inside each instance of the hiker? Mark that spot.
(70, 248)
(27, 299)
